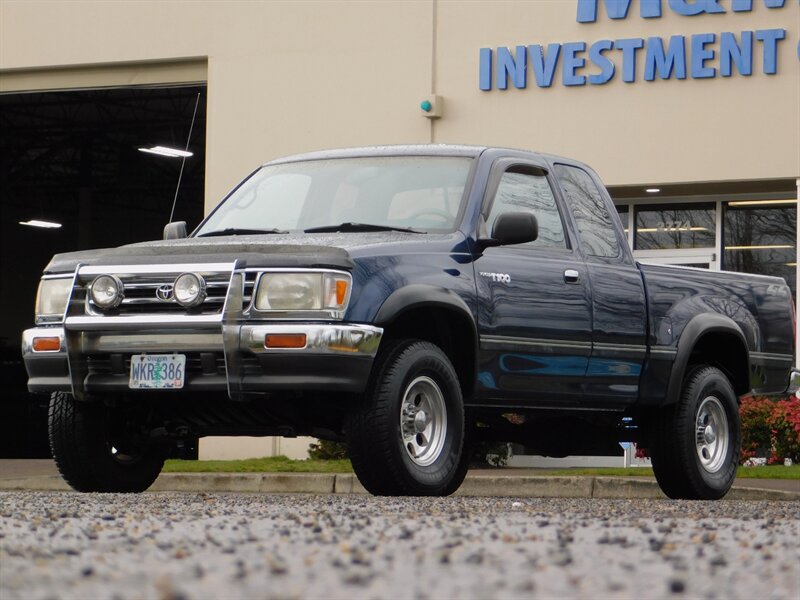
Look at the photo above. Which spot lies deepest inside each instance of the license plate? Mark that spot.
(157, 371)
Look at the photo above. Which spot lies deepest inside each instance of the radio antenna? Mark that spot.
(183, 160)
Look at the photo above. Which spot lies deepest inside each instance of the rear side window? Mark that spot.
(525, 192)
(595, 225)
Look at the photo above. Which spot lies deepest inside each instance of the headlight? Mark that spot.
(303, 292)
(189, 290)
(52, 297)
(106, 291)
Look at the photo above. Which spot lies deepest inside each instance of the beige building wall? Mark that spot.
(287, 77)
(224, 448)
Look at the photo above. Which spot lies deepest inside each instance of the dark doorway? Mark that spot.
(72, 158)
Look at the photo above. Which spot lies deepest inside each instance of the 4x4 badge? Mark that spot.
(164, 292)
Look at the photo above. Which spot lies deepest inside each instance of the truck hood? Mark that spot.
(328, 250)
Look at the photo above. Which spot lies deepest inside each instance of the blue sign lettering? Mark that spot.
(485, 67)
(617, 9)
(650, 9)
(689, 8)
(507, 66)
(606, 65)
(770, 38)
(701, 56)
(544, 67)
(629, 47)
(673, 60)
(571, 63)
(747, 5)
(730, 53)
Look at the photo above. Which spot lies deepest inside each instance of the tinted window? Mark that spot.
(525, 192)
(595, 225)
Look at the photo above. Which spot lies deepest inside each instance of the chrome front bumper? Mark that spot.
(336, 357)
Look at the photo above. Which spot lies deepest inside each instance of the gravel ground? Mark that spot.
(197, 546)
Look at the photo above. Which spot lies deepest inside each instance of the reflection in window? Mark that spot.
(665, 227)
(525, 192)
(591, 214)
(622, 211)
(761, 240)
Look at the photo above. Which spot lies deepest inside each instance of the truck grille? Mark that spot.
(142, 297)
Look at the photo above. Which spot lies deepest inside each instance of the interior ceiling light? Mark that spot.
(164, 151)
(652, 190)
(43, 224)
(757, 202)
(657, 229)
(766, 247)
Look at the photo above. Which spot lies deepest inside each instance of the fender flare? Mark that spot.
(698, 327)
(416, 296)
(419, 295)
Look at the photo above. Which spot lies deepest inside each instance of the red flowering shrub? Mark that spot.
(770, 429)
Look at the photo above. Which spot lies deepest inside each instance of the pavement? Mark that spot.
(197, 546)
(42, 475)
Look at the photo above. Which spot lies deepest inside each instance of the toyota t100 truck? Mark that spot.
(412, 301)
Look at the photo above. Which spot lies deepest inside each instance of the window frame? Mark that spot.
(500, 167)
(623, 256)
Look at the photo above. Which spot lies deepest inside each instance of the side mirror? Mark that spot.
(512, 228)
(175, 230)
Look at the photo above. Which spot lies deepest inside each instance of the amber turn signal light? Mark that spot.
(341, 291)
(285, 340)
(46, 344)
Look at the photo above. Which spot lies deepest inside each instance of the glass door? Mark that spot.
(676, 234)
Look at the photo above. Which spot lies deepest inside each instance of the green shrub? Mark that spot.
(770, 429)
(327, 450)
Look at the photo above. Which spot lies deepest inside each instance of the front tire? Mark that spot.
(406, 436)
(696, 442)
(94, 452)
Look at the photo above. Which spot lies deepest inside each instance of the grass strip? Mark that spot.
(282, 464)
(766, 472)
(272, 464)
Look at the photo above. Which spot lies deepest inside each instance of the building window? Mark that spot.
(761, 238)
(673, 227)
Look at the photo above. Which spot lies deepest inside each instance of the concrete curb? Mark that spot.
(347, 483)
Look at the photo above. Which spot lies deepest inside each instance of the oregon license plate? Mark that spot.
(157, 371)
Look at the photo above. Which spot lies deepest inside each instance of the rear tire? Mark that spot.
(93, 455)
(406, 436)
(696, 442)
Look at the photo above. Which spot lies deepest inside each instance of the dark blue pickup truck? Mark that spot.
(412, 301)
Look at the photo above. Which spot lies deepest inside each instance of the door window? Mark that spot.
(519, 191)
(595, 225)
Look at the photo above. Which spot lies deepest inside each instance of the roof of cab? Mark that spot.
(419, 150)
(399, 150)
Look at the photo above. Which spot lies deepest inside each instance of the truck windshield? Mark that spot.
(414, 193)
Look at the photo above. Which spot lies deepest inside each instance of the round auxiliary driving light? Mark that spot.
(106, 291)
(189, 290)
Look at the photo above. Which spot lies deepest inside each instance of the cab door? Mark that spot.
(535, 318)
(619, 311)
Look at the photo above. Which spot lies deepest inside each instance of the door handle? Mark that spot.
(571, 276)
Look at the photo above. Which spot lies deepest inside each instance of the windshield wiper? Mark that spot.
(354, 227)
(239, 231)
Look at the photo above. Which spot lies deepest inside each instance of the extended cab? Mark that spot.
(412, 301)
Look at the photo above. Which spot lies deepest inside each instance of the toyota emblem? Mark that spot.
(164, 292)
